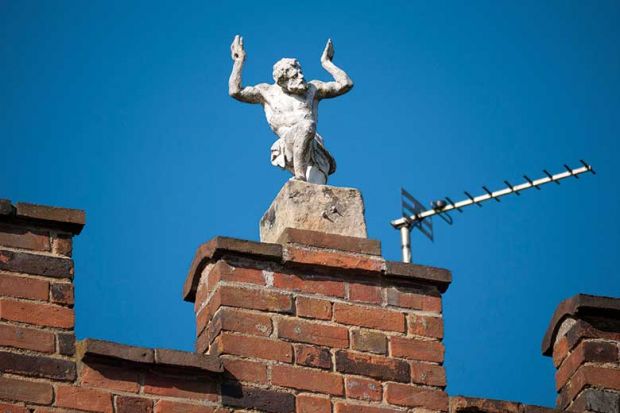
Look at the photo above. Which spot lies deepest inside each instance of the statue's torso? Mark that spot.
(284, 110)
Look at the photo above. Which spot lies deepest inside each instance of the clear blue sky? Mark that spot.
(121, 108)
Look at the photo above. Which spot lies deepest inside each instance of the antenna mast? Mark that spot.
(417, 214)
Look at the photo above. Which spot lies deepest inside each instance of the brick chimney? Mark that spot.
(583, 339)
(36, 298)
(319, 321)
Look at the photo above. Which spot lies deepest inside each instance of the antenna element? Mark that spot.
(414, 215)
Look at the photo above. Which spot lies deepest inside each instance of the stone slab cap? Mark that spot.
(322, 208)
(325, 260)
(64, 219)
(89, 349)
(578, 306)
(330, 241)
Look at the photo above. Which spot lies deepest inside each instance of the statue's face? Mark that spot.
(293, 79)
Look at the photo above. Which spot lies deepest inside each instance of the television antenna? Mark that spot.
(415, 216)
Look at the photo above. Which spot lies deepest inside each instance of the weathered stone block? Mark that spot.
(322, 208)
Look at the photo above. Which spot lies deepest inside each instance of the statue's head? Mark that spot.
(288, 75)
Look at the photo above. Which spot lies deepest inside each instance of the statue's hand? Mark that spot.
(236, 49)
(328, 53)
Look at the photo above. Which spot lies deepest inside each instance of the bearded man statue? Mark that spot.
(291, 109)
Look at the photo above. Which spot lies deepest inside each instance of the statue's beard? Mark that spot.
(296, 86)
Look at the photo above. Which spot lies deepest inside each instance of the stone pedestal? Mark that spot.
(322, 208)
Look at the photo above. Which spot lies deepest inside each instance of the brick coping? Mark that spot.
(476, 404)
(22, 213)
(291, 256)
(330, 241)
(576, 306)
(108, 351)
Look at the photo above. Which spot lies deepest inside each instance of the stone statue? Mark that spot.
(291, 108)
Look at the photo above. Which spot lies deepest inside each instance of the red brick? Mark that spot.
(198, 388)
(369, 341)
(222, 271)
(38, 264)
(202, 293)
(66, 344)
(168, 406)
(377, 367)
(16, 237)
(365, 389)
(313, 356)
(306, 403)
(232, 319)
(313, 333)
(586, 351)
(203, 342)
(560, 351)
(428, 374)
(26, 391)
(342, 407)
(125, 404)
(262, 348)
(202, 318)
(254, 398)
(245, 370)
(62, 245)
(416, 349)
(414, 301)
(214, 303)
(591, 400)
(38, 314)
(24, 287)
(313, 308)
(377, 318)
(109, 377)
(420, 325)
(307, 379)
(11, 408)
(340, 260)
(365, 293)
(412, 396)
(79, 398)
(37, 366)
(27, 338)
(255, 299)
(62, 293)
(308, 284)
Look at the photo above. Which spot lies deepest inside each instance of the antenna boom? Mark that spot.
(408, 221)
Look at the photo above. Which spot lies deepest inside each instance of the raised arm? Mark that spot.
(248, 94)
(342, 82)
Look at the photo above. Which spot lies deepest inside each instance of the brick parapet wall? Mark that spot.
(315, 323)
(583, 340)
(42, 370)
(321, 330)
